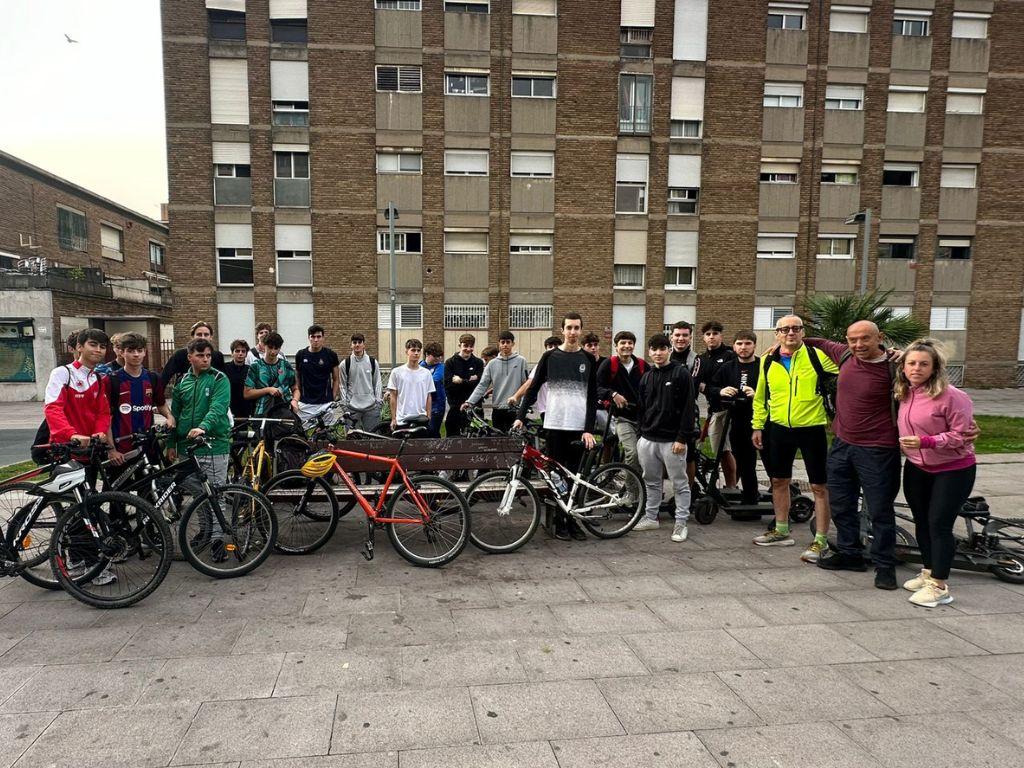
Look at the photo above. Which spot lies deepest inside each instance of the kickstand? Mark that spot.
(368, 546)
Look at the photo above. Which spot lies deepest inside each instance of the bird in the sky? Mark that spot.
(68, 38)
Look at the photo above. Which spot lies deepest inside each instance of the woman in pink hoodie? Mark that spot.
(935, 420)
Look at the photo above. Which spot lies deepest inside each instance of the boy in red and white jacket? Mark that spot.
(77, 406)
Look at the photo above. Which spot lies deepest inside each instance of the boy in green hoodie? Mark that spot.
(200, 406)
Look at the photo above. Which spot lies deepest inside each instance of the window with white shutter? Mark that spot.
(959, 176)
(530, 243)
(846, 18)
(408, 316)
(397, 5)
(687, 111)
(539, 165)
(955, 248)
(835, 246)
(683, 184)
(631, 183)
(399, 78)
(289, 80)
(789, 95)
(906, 99)
(768, 317)
(911, 22)
(111, 238)
(535, 7)
(229, 92)
(844, 97)
(680, 260)
(690, 30)
(776, 246)
(465, 242)
(293, 244)
(458, 162)
(234, 253)
(965, 101)
(288, 9)
(970, 25)
(900, 174)
(839, 173)
(948, 319)
(637, 13)
(779, 172)
(786, 16)
(400, 162)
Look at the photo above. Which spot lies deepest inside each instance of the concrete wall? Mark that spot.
(37, 306)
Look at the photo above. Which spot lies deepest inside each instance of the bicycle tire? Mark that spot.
(496, 533)
(249, 543)
(617, 521)
(35, 559)
(124, 544)
(1009, 566)
(447, 532)
(301, 527)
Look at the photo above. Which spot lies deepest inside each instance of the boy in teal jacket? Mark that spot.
(200, 406)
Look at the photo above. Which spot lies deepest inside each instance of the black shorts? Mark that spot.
(782, 443)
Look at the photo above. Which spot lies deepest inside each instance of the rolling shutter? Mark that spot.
(690, 38)
(226, 5)
(288, 9)
(637, 13)
(233, 235)
(684, 170)
(229, 91)
(230, 153)
(631, 168)
(289, 80)
(293, 237)
(680, 249)
(688, 98)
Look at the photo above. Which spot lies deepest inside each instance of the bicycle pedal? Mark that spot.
(368, 550)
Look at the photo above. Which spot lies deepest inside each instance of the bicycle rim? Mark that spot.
(33, 550)
(498, 530)
(232, 547)
(621, 486)
(306, 511)
(438, 540)
(121, 560)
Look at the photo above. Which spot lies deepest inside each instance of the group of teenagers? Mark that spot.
(895, 416)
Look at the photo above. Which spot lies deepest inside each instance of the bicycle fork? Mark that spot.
(368, 544)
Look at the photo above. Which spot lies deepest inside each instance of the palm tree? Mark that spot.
(829, 316)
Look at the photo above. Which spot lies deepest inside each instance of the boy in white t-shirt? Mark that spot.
(410, 387)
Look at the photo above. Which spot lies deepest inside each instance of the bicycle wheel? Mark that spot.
(16, 505)
(306, 512)
(440, 538)
(494, 529)
(620, 502)
(232, 547)
(118, 558)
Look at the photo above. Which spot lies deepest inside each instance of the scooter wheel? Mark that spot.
(801, 509)
(705, 511)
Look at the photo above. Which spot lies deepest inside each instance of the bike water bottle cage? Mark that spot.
(318, 465)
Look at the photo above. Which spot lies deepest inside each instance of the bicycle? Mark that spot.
(506, 506)
(250, 460)
(427, 518)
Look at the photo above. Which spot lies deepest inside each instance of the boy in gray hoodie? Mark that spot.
(504, 374)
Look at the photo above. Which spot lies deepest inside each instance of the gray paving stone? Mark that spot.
(549, 592)
(17, 732)
(6, 608)
(986, 598)
(906, 639)
(83, 686)
(280, 635)
(504, 623)
(533, 711)
(669, 702)
(1008, 723)
(213, 678)
(788, 646)
(743, 556)
(13, 678)
(925, 685)
(364, 760)
(395, 572)
(565, 566)
(706, 612)
(628, 564)
(608, 589)
(450, 594)
(367, 722)
(68, 646)
(160, 608)
(206, 638)
(266, 603)
(377, 630)
(368, 599)
(52, 615)
(600, 618)
(880, 604)
(577, 657)
(802, 694)
(110, 737)
(801, 608)
(704, 650)
(460, 663)
(730, 582)
(330, 672)
(821, 745)
(655, 750)
(258, 729)
(801, 578)
(995, 633)
(1005, 672)
(529, 754)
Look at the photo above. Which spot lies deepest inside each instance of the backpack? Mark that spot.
(373, 367)
(642, 365)
(42, 437)
(826, 386)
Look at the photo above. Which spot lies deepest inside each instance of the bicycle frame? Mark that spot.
(532, 457)
(374, 513)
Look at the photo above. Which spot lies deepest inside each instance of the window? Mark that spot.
(785, 17)
(291, 178)
(631, 184)
(910, 23)
(687, 110)
(683, 200)
(407, 315)
(156, 256)
(405, 242)
(291, 113)
(900, 175)
(844, 97)
(466, 84)
(229, 91)
(948, 319)
(293, 244)
(835, 246)
(465, 163)
(399, 162)
(906, 99)
(530, 243)
(234, 266)
(72, 232)
(291, 165)
(778, 172)
(896, 248)
(954, 248)
(533, 86)
(680, 278)
(112, 242)
(685, 129)
(458, 316)
(628, 276)
(538, 165)
(231, 174)
(635, 103)
(467, 7)
(768, 317)
(776, 246)
(226, 25)
(535, 7)
(289, 31)
(397, 5)
(530, 316)
(636, 42)
(965, 101)
(959, 177)
(465, 242)
(839, 173)
(901, 311)
(681, 260)
(783, 95)
(970, 25)
(683, 184)
(403, 79)
(844, 18)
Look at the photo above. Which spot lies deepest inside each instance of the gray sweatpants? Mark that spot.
(366, 420)
(656, 459)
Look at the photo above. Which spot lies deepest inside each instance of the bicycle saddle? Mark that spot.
(408, 431)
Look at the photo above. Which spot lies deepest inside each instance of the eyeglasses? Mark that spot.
(789, 329)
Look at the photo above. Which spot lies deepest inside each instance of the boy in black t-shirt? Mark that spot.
(237, 369)
(317, 379)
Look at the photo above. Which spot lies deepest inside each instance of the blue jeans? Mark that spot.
(853, 469)
(434, 428)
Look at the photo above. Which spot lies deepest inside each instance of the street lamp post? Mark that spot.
(864, 216)
(391, 214)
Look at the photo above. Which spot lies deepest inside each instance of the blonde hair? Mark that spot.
(939, 380)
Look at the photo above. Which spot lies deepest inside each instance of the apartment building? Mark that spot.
(642, 162)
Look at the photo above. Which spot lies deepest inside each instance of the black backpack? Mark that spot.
(826, 386)
(373, 367)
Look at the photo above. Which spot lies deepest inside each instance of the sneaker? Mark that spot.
(918, 581)
(218, 552)
(647, 525)
(679, 532)
(106, 576)
(576, 533)
(885, 577)
(814, 550)
(774, 539)
(931, 595)
(837, 561)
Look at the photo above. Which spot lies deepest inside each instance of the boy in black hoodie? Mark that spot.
(666, 409)
(618, 381)
(462, 372)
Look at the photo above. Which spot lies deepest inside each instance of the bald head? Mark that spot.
(864, 340)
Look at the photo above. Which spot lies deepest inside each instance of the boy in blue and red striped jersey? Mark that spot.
(135, 393)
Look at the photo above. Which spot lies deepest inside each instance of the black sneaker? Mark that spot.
(885, 577)
(837, 561)
(577, 533)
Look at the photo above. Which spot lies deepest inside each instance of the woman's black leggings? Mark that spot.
(935, 499)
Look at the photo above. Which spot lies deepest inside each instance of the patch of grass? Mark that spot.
(1000, 434)
(11, 470)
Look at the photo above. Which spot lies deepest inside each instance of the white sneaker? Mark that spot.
(647, 525)
(106, 576)
(931, 595)
(918, 581)
(679, 532)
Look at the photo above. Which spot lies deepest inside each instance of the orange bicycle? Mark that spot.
(427, 517)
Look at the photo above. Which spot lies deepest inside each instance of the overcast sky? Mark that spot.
(92, 111)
